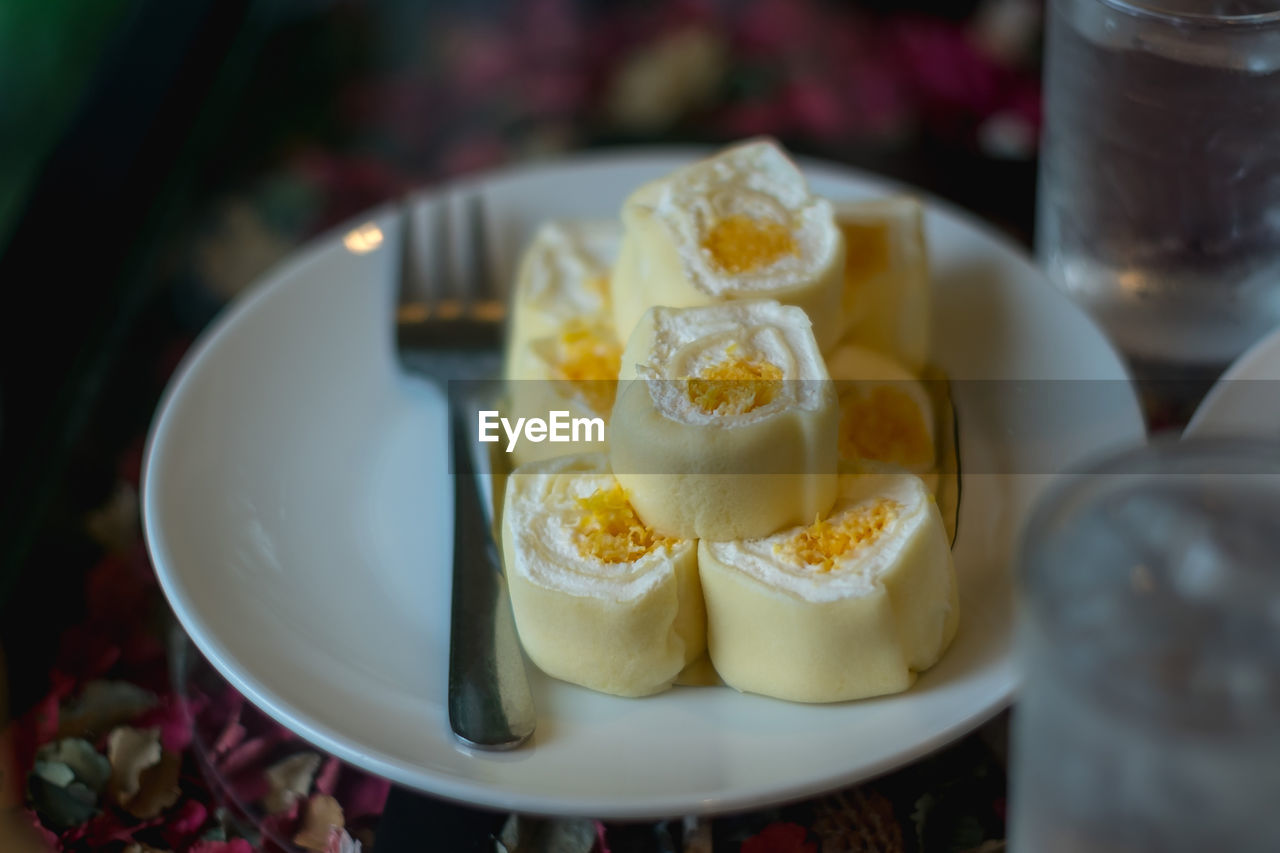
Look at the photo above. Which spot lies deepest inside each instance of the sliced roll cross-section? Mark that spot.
(850, 606)
(562, 353)
(740, 225)
(600, 599)
(725, 421)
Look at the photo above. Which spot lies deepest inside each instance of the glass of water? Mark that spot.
(1149, 717)
(1159, 192)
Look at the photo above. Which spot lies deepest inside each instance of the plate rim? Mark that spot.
(1244, 368)
(468, 791)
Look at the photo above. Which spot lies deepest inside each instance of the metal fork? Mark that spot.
(449, 329)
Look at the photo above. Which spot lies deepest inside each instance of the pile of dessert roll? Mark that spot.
(762, 511)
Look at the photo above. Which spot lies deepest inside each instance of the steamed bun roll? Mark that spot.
(562, 353)
(740, 225)
(850, 606)
(599, 598)
(886, 415)
(887, 299)
(725, 421)
(562, 279)
(574, 370)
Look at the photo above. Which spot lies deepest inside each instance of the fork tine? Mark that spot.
(412, 298)
(478, 248)
(444, 278)
(448, 281)
(487, 304)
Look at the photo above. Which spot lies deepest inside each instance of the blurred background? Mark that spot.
(157, 157)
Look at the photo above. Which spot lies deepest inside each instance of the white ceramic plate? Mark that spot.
(1246, 398)
(297, 505)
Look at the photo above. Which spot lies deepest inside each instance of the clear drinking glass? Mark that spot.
(1159, 192)
(1149, 717)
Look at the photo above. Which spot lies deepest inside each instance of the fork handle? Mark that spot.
(490, 706)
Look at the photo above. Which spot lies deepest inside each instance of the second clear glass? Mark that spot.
(1149, 717)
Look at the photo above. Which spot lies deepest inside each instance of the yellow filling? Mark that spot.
(740, 244)
(825, 541)
(888, 426)
(866, 250)
(591, 362)
(610, 531)
(735, 386)
(598, 284)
